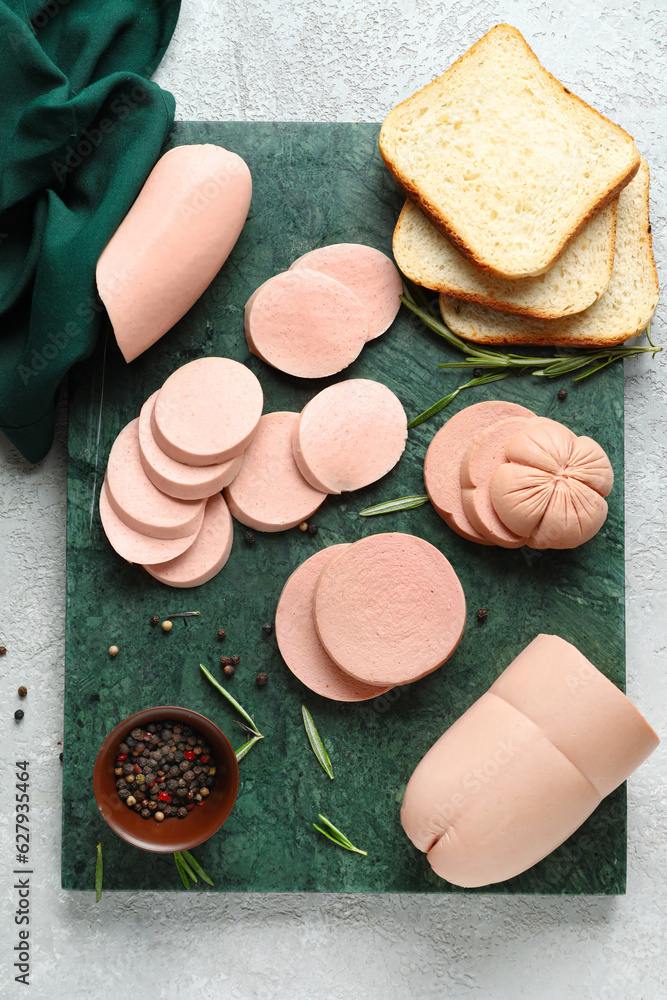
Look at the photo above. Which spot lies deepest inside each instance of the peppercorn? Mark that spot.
(303, 526)
(482, 615)
(235, 660)
(204, 792)
(118, 771)
(249, 537)
(123, 794)
(477, 372)
(113, 650)
(146, 813)
(18, 714)
(23, 691)
(225, 661)
(267, 628)
(182, 812)
(159, 816)
(3, 650)
(562, 394)
(130, 801)
(313, 529)
(154, 620)
(60, 755)
(129, 778)
(228, 669)
(221, 634)
(167, 626)
(261, 680)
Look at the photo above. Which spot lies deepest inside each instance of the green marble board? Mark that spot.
(316, 184)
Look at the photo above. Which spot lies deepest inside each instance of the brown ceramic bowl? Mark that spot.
(172, 834)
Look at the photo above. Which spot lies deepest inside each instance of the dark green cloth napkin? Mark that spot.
(80, 129)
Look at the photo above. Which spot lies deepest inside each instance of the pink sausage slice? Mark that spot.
(349, 435)
(390, 609)
(442, 465)
(299, 643)
(186, 482)
(172, 242)
(484, 454)
(269, 493)
(206, 557)
(367, 272)
(305, 323)
(137, 502)
(138, 548)
(207, 411)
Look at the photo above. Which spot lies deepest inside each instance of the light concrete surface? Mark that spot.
(353, 60)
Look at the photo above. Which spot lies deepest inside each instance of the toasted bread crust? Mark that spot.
(534, 296)
(621, 313)
(441, 215)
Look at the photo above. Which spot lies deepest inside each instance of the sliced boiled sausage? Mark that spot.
(442, 465)
(269, 493)
(299, 643)
(390, 609)
(187, 482)
(481, 459)
(137, 502)
(136, 547)
(207, 411)
(206, 556)
(305, 323)
(350, 435)
(367, 272)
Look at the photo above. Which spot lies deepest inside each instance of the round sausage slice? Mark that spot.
(299, 643)
(269, 493)
(135, 547)
(367, 272)
(442, 465)
(390, 609)
(349, 435)
(305, 323)
(207, 556)
(485, 453)
(187, 482)
(207, 411)
(137, 502)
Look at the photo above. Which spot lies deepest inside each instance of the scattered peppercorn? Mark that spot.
(477, 372)
(3, 650)
(267, 628)
(228, 670)
(313, 529)
(249, 537)
(18, 714)
(137, 769)
(60, 755)
(235, 659)
(482, 615)
(23, 691)
(167, 626)
(224, 661)
(303, 526)
(562, 394)
(113, 650)
(154, 620)
(260, 680)
(221, 634)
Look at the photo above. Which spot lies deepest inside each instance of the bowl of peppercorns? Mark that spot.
(166, 779)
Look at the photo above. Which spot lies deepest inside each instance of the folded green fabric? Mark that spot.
(81, 127)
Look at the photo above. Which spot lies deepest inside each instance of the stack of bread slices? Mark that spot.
(527, 210)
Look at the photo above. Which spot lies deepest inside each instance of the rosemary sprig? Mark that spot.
(316, 742)
(188, 868)
(389, 506)
(501, 363)
(250, 728)
(99, 874)
(335, 835)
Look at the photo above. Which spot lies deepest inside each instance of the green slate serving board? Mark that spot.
(316, 184)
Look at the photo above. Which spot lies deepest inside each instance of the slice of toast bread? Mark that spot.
(503, 159)
(623, 310)
(571, 285)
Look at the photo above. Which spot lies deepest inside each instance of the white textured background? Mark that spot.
(347, 60)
